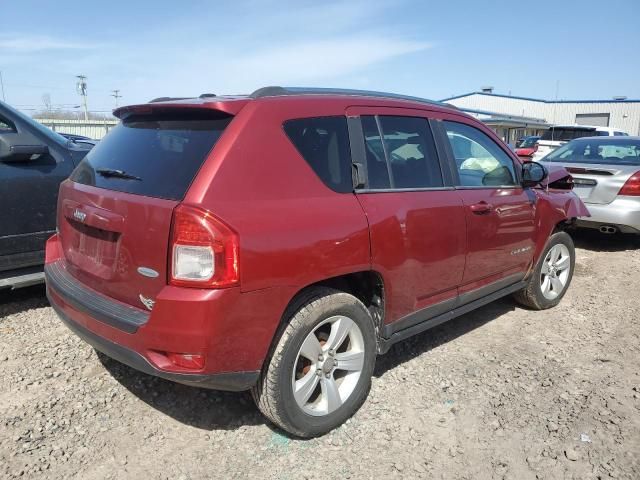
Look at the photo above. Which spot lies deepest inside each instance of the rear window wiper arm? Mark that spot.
(112, 172)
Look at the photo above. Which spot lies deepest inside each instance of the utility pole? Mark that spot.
(2, 87)
(116, 95)
(81, 86)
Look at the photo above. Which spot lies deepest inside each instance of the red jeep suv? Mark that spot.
(280, 241)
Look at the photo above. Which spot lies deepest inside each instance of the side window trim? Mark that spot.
(444, 152)
(442, 132)
(385, 149)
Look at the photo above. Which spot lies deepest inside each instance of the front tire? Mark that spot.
(552, 275)
(319, 373)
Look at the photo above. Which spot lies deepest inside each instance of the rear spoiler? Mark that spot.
(230, 107)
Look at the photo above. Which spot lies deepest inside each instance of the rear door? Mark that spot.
(115, 212)
(499, 213)
(416, 217)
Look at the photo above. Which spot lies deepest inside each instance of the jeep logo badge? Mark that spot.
(79, 215)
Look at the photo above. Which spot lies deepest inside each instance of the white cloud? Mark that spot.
(323, 59)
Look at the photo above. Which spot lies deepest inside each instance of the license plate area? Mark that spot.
(93, 250)
(583, 186)
(583, 191)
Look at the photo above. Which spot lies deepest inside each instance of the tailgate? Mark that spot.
(116, 209)
(108, 238)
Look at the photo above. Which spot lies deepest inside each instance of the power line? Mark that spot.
(116, 95)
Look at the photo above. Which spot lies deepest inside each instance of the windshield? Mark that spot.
(529, 142)
(565, 134)
(47, 132)
(610, 150)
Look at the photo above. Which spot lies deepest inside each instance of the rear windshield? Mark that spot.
(154, 155)
(564, 134)
(610, 151)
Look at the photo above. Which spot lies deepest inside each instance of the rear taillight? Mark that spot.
(204, 251)
(631, 186)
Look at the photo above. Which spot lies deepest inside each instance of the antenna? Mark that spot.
(81, 87)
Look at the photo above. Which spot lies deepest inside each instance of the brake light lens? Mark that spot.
(631, 186)
(204, 251)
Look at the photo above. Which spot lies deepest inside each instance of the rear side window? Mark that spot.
(6, 126)
(324, 143)
(159, 154)
(404, 157)
(377, 168)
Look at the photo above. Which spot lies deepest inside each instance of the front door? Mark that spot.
(498, 211)
(416, 217)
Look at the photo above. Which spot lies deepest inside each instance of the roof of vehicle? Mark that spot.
(610, 139)
(233, 103)
(587, 127)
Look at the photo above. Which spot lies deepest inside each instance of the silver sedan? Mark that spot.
(606, 176)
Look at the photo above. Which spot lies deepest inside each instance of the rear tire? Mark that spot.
(319, 373)
(552, 275)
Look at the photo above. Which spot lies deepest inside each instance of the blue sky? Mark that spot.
(430, 49)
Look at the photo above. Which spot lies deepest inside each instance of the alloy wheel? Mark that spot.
(328, 366)
(554, 274)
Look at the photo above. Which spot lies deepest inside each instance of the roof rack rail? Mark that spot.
(207, 95)
(275, 91)
(167, 99)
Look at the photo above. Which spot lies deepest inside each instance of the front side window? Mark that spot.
(479, 160)
(324, 143)
(404, 157)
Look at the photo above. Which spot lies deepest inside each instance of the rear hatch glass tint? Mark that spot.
(156, 154)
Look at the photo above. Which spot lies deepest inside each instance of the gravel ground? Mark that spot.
(499, 393)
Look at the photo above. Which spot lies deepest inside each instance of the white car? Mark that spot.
(558, 135)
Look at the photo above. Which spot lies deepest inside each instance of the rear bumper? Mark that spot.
(623, 213)
(236, 381)
(232, 330)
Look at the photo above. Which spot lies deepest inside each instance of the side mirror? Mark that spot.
(533, 173)
(15, 148)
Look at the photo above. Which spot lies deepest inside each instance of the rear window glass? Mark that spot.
(610, 151)
(324, 143)
(159, 154)
(563, 134)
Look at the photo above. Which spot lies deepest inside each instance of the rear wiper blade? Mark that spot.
(112, 172)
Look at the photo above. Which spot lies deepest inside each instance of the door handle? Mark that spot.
(481, 208)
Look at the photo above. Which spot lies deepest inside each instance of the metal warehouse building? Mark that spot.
(512, 117)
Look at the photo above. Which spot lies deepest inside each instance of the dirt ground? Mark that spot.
(502, 392)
